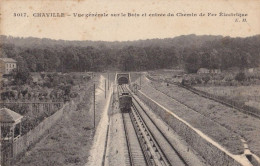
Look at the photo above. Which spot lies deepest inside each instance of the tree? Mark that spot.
(21, 77)
(240, 76)
(192, 63)
(30, 60)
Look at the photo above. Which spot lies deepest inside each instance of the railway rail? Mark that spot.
(146, 143)
(135, 153)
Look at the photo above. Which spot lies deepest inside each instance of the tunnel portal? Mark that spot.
(123, 78)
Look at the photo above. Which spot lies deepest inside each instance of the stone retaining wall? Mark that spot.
(212, 154)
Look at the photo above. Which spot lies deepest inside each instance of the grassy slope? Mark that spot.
(233, 120)
(218, 133)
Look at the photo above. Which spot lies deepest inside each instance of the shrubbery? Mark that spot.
(240, 76)
(21, 77)
(53, 87)
(23, 109)
(223, 79)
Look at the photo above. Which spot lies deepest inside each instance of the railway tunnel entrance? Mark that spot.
(123, 78)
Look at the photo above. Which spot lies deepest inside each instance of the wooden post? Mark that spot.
(20, 129)
(108, 80)
(0, 144)
(94, 107)
(140, 80)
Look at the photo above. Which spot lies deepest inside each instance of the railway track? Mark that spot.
(146, 143)
(135, 153)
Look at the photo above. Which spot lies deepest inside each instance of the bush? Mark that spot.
(21, 77)
(7, 95)
(240, 76)
(20, 109)
(206, 79)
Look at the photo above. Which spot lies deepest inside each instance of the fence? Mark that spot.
(35, 107)
(25, 142)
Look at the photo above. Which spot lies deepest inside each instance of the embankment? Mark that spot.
(209, 150)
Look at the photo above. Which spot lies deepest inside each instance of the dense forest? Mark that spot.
(191, 52)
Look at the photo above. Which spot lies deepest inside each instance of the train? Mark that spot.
(125, 101)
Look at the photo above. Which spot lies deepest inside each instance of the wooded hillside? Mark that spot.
(191, 52)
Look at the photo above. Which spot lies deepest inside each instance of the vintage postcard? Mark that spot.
(127, 83)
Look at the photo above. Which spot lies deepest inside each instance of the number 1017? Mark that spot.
(20, 14)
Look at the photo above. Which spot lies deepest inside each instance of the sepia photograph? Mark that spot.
(129, 83)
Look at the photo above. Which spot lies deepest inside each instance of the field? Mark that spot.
(249, 95)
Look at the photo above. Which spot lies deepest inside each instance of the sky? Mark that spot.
(126, 28)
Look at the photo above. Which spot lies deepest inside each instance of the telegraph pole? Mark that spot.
(108, 80)
(94, 107)
(140, 80)
(105, 88)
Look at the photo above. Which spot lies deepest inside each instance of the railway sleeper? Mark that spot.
(152, 143)
(150, 148)
(149, 154)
